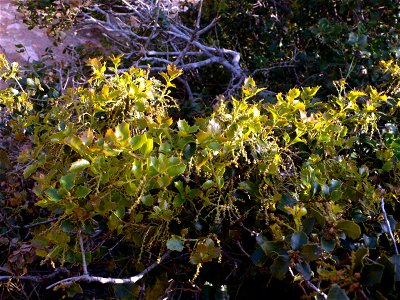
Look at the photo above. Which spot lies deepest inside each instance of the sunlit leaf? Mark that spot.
(79, 165)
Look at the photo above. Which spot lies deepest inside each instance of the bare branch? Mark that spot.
(388, 226)
(85, 270)
(104, 280)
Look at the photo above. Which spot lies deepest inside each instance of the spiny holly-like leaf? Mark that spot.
(350, 228)
(79, 165)
(173, 72)
(293, 93)
(307, 92)
(185, 127)
(175, 244)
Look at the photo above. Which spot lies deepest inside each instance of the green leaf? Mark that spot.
(68, 181)
(82, 192)
(53, 195)
(138, 141)
(178, 200)
(74, 290)
(258, 257)
(395, 260)
(175, 244)
(175, 166)
(147, 147)
(327, 245)
(280, 266)
(147, 200)
(315, 188)
(298, 239)
(269, 247)
(206, 185)
(304, 269)
(29, 170)
(122, 132)
(137, 167)
(79, 165)
(189, 150)
(310, 252)
(350, 228)
(185, 127)
(307, 93)
(67, 226)
(372, 274)
(286, 200)
(357, 259)
(336, 293)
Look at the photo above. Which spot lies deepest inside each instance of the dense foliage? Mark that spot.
(260, 193)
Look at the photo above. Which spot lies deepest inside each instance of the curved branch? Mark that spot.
(104, 280)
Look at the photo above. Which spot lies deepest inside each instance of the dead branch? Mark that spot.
(104, 280)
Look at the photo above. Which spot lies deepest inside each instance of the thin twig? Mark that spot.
(39, 278)
(388, 225)
(311, 285)
(85, 270)
(34, 224)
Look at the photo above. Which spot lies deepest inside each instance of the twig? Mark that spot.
(34, 224)
(311, 285)
(104, 280)
(85, 270)
(252, 232)
(39, 279)
(388, 225)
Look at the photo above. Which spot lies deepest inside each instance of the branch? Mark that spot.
(85, 270)
(388, 225)
(104, 280)
(39, 279)
(311, 285)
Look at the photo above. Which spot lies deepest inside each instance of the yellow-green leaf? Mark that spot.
(79, 165)
(53, 195)
(122, 132)
(138, 141)
(147, 147)
(82, 191)
(29, 170)
(350, 228)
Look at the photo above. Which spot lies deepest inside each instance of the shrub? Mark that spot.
(290, 192)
